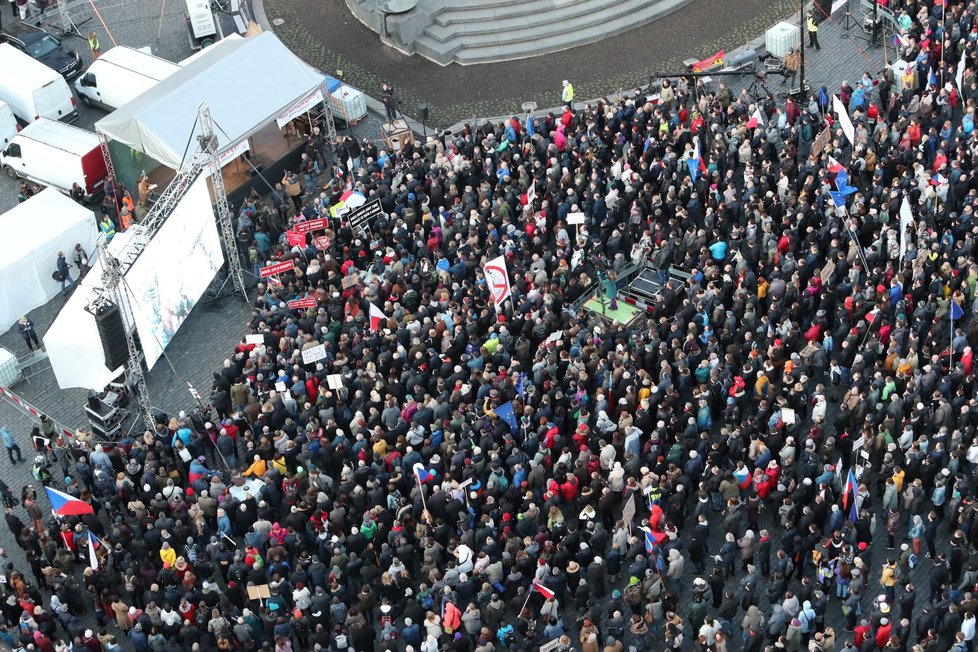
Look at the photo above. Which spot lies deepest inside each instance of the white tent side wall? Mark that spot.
(72, 341)
(34, 232)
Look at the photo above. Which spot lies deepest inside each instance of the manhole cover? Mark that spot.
(278, 22)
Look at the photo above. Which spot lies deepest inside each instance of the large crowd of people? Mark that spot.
(759, 461)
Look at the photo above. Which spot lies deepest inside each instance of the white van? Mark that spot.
(32, 90)
(120, 75)
(57, 155)
(8, 124)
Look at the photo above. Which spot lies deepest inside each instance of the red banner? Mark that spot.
(309, 225)
(323, 242)
(710, 62)
(295, 239)
(277, 268)
(308, 302)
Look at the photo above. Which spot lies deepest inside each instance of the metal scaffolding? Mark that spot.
(67, 24)
(114, 289)
(328, 120)
(208, 146)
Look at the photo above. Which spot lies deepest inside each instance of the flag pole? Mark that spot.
(529, 594)
(950, 342)
(417, 478)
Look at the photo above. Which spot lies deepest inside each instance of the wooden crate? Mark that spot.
(396, 134)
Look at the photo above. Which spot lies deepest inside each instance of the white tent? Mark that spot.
(33, 233)
(246, 83)
(72, 341)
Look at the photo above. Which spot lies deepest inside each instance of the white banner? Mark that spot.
(959, 76)
(497, 277)
(232, 153)
(300, 107)
(313, 354)
(906, 217)
(844, 121)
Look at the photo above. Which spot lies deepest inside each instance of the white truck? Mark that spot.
(57, 155)
(8, 124)
(32, 90)
(121, 75)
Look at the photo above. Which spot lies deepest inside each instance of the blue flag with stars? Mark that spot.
(507, 414)
(521, 383)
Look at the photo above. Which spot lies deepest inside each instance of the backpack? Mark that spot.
(912, 561)
(426, 600)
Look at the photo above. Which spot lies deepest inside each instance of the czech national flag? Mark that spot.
(849, 489)
(423, 474)
(544, 591)
(834, 166)
(66, 505)
(93, 545)
(376, 317)
(652, 539)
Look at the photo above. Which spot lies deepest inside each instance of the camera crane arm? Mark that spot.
(715, 73)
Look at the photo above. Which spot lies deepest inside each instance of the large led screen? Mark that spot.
(174, 270)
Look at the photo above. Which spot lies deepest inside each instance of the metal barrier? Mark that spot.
(32, 412)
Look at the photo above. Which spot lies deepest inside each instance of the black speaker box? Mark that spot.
(112, 332)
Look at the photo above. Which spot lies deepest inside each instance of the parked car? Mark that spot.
(45, 48)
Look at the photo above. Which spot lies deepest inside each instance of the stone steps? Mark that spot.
(499, 30)
(510, 28)
(494, 10)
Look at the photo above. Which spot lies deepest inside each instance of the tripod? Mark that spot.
(875, 31)
(847, 21)
(757, 85)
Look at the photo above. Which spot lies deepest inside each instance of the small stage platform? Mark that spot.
(624, 314)
(645, 290)
(639, 293)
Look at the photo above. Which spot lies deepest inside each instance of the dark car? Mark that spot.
(45, 48)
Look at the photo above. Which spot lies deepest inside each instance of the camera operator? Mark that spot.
(389, 98)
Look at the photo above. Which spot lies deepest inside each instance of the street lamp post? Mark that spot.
(802, 29)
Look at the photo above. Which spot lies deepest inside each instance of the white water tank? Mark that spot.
(781, 37)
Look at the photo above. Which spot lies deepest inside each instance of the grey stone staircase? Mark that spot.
(486, 31)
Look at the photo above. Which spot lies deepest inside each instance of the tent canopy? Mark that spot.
(33, 234)
(246, 83)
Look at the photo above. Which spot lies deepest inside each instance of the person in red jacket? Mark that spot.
(860, 633)
(452, 618)
(883, 633)
(568, 489)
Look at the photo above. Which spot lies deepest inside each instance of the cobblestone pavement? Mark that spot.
(328, 36)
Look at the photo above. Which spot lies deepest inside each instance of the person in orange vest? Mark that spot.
(125, 218)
